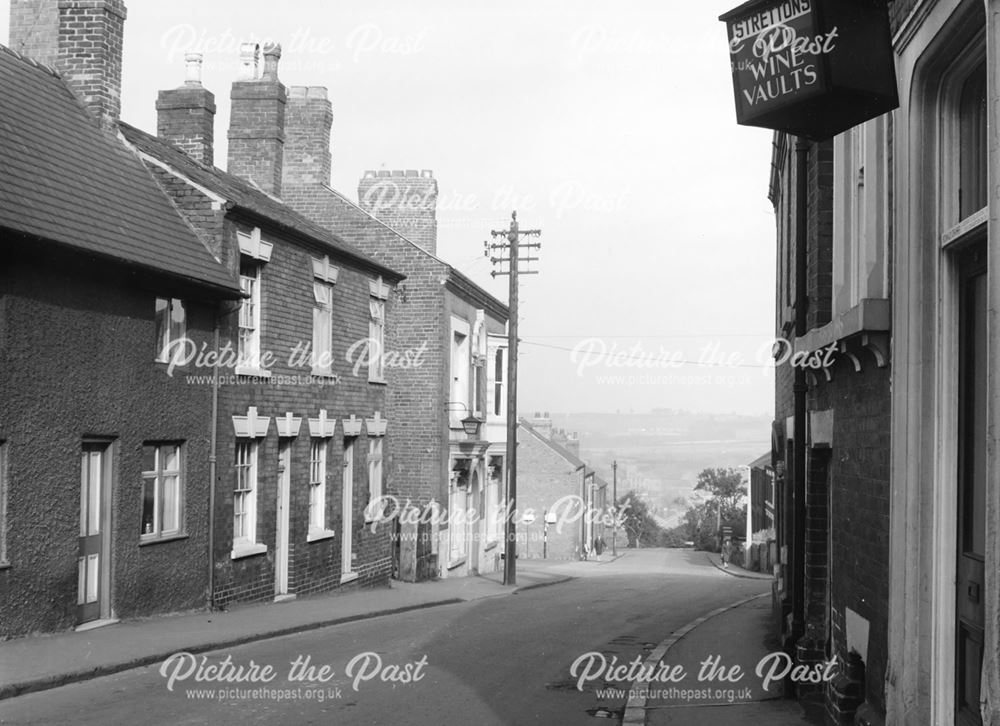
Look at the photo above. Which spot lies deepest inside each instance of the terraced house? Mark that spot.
(303, 428)
(888, 241)
(449, 410)
(105, 458)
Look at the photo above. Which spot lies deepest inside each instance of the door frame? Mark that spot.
(282, 536)
(347, 572)
(108, 451)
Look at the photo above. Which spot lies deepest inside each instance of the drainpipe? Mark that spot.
(211, 471)
(799, 389)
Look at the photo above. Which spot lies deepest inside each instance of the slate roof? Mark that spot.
(760, 463)
(245, 196)
(561, 451)
(351, 219)
(65, 180)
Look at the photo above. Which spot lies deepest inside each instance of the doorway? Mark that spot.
(93, 571)
(475, 520)
(972, 483)
(347, 514)
(281, 529)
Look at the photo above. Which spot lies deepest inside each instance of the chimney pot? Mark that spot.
(257, 120)
(185, 116)
(272, 54)
(249, 60)
(193, 63)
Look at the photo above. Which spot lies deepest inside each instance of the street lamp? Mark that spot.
(471, 425)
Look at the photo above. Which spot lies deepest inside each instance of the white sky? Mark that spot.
(609, 126)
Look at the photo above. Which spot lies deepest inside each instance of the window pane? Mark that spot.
(148, 458)
(148, 506)
(171, 499)
(162, 327)
(973, 149)
(94, 502)
(178, 319)
(171, 458)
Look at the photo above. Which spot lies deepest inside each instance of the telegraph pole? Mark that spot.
(512, 246)
(614, 508)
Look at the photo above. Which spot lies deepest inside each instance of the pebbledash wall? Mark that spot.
(77, 347)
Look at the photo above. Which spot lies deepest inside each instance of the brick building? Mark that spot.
(303, 427)
(833, 583)
(890, 561)
(556, 486)
(446, 352)
(105, 458)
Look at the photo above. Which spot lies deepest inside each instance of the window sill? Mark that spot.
(151, 539)
(320, 373)
(378, 381)
(4, 564)
(252, 372)
(348, 577)
(871, 315)
(247, 550)
(456, 563)
(490, 545)
(317, 535)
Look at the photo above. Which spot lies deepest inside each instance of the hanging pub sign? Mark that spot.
(812, 68)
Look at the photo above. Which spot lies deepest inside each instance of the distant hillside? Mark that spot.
(662, 452)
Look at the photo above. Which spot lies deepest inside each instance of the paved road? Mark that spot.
(503, 660)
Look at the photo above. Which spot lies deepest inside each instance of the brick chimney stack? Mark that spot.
(83, 40)
(308, 122)
(257, 120)
(404, 200)
(185, 116)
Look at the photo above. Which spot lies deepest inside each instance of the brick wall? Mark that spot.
(404, 200)
(308, 121)
(83, 39)
(34, 29)
(287, 319)
(543, 478)
(418, 469)
(257, 132)
(819, 257)
(186, 118)
(859, 510)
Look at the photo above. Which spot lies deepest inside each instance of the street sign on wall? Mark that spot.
(812, 68)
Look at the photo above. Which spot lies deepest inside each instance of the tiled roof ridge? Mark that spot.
(27, 60)
(395, 231)
(452, 270)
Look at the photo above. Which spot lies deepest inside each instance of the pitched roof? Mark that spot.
(64, 180)
(363, 220)
(248, 198)
(761, 462)
(561, 450)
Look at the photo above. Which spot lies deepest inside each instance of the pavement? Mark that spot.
(736, 571)
(39, 662)
(741, 634)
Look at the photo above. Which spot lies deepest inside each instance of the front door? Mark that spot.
(971, 486)
(281, 530)
(347, 511)
(93, 576)
(475, 520)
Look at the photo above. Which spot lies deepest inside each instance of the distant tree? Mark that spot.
(641, 529)
(726, 502)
